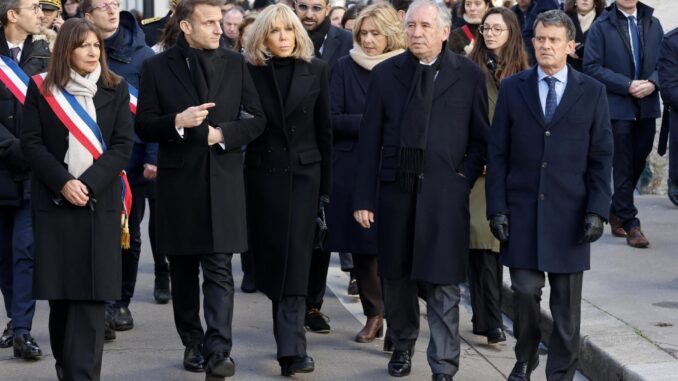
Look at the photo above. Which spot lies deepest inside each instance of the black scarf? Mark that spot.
(493, 64)
(318, 34)
(415, 123)
(200, 66)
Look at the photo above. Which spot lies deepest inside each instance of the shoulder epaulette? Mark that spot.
(150, 20)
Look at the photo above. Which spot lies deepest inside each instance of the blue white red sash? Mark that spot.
(13, 78)
(133, 95)
(83, 128)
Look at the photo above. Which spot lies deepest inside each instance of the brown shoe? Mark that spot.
(617, 226)
(373, 328)
(637, 239)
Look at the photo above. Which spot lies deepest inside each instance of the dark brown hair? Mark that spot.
(71, 35)
(184, 10)
(513, 56)
(249, 20)
(598, 6)
(461, 10)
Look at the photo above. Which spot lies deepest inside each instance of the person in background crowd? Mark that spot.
(259, 5)
(154, 26)
(500, 53)
(538, 6)
(126, 52)
(582, 13)
(232, 20)
(20, 21)
(462, 38)
(329, 44)
(168, 37)
(227, 6)
(71, 9)
(77, 275)
(407, 148)
(138, 16)
(548, 190)
(621, 52)
(288, 172)
(51, 20)
(401, 7)
(243, 29)
(192, 107)
(348, 19)
(667, 69)
(522, 9)
(378, 35)
(336, 14)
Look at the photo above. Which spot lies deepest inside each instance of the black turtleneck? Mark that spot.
(282, 71)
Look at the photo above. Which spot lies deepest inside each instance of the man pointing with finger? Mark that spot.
(192, 99)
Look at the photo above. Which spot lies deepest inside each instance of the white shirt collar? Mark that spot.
(561, 76)
(20, 46)
(634, 14)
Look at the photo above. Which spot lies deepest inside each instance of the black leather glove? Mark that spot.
(593, 228)
(499, 224)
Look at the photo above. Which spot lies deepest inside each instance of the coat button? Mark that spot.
(547, 133)
(544, 164)
(541, 196)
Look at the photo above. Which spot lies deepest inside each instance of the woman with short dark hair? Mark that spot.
(583, 13)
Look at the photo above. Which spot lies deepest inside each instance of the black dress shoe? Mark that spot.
(522, 370)
(161, 292)
(316, 321)
(297, 364)
(248, 285)
(441, 377)
(400, 364)
(122, 319)
(26, 348)
(193, 359)
(7, 338)
(59, 371)
(219, 366)
(673, 191)
(495, 336)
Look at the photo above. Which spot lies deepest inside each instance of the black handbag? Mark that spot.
(320, 226)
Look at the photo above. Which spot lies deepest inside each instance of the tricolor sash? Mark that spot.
(87, 132)
(14, 78)
(133, 95)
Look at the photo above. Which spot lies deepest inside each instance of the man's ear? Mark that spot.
(88, 16)
(185, 26)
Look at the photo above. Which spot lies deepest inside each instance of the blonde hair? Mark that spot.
(388, 23)
(256, 51)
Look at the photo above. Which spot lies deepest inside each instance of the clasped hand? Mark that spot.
(193, 116)
(75, 192)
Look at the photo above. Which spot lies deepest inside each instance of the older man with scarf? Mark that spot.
(424, 162)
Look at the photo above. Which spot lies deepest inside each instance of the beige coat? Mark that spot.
(481, 236)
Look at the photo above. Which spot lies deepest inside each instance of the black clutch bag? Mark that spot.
(320, 227)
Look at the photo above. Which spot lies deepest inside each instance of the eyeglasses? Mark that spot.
(314, 9)
(496, 29)
(37, 8)
(112, 6)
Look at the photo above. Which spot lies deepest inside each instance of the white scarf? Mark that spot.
(78, 158)
(586, 20)
(470, 20)
(369, 62)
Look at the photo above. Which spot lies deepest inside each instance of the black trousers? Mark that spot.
(317, 280)
(633, 141)
(673, 149)
(161, 264)
(485, 275)
(76, 335)
(369, 284)
(247, 263)
(217, 288)
(442, 306)
(565, 303)
(288, 326)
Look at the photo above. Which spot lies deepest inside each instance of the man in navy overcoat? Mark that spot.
(548, 191)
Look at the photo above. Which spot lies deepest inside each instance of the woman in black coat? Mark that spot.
(583, 13)
(76, 198)
(463, 36)
(377, 36)
(287, 169)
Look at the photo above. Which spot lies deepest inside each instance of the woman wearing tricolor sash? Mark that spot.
(77, 137)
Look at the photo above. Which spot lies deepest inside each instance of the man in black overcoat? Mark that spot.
(548, 191)
(425, 122)
(190, 100)
(330, 43)
(667, 67)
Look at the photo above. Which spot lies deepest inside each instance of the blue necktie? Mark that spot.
(551, 99)
(635, 43)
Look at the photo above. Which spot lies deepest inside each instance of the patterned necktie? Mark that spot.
(551, 99)
(15, 53)
(635, 44)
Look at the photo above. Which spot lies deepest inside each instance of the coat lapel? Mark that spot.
(103, 99)
(530, 92)
(301, 81)
(356, 69)
(405, 65)
(447, 76)
(179, 68)
(330, 44)
(215, 83)
(572, 93)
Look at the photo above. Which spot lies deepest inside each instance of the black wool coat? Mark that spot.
(287, 168)
(549, 176)
(77, 250)
(201, 190)
(425, 235)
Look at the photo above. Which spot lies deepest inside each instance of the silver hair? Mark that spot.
(444, 17)
(559, 18)
(5, 6)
